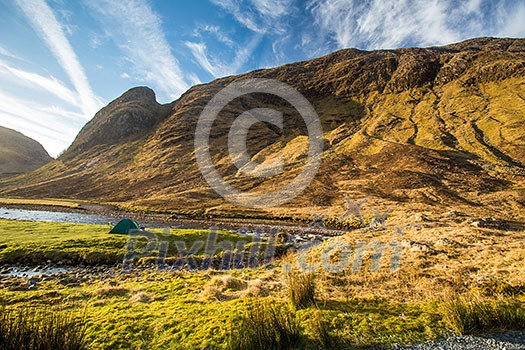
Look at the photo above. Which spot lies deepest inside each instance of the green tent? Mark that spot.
(124, 226)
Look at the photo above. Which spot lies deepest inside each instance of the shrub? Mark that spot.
(266, 326)
(30, 330)
(301, 289)
(475, 315)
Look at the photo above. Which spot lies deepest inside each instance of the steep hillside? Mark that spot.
(440, 127)
(19, 153)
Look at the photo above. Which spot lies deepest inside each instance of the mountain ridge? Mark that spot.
(438, 127)
(19, 153)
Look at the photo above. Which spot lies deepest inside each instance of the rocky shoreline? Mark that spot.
(23, 278)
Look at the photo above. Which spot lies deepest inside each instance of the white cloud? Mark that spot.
(53, 126)
(243, 16)
(216, 31)
(5, 52)
(137, 30)
(46, 25)
(218, 68)
(390, 24)
(260, 16)
(272, 8)
(277, 20)
(511, 21)
(199, 52)
(194, 79)
(33, 80)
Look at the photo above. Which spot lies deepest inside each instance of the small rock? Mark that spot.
(419, 247)
(443, 242)
(34, 280)
(476, 223)
(419, 217)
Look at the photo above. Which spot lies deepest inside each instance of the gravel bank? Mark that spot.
(505, 341)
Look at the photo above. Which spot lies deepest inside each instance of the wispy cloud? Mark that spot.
(216, 31)
(6, 53)
(33, 80)
(260, 16)
(53, 126)
(219, 68)
(273, 8)
(389, 24)
(199, 52)
(265, 18)
(46, 25)
(245, 16)
(137, 30)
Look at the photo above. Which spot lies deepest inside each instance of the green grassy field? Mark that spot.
(210, 309)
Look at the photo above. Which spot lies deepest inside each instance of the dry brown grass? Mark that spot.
(228, 282)
(227, 287)
(141, 297)
(111, 291)
(456, 259)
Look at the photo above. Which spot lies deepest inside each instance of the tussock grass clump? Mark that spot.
(211, 292)
(29, 330)
(255, 288)
(471, 315)
(228, 282)
(111, 291)
(266, 326)
(300, 289)
(141, 297)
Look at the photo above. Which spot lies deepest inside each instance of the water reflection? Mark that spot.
(49, 216)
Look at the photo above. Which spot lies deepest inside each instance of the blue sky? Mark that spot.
(61, 61)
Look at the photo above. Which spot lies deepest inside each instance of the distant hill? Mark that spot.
(19, 153)
(440, 127)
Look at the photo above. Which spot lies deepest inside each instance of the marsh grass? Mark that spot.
(266, 325)
(475, 314)
(300, 287)
(24, 329)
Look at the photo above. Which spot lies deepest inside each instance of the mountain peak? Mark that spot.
(128, 118)
(19, 153)
(139, 93)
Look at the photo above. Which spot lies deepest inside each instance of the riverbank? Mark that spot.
(104, 213)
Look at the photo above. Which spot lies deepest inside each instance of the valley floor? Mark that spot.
(449, 279)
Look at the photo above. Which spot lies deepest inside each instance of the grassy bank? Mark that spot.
(32, 244)
(41, 202)
(211, 309)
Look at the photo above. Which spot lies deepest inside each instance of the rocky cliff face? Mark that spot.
(439, 127)
(19, 153)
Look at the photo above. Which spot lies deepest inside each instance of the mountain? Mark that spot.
(417, 128)
(19, 153)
